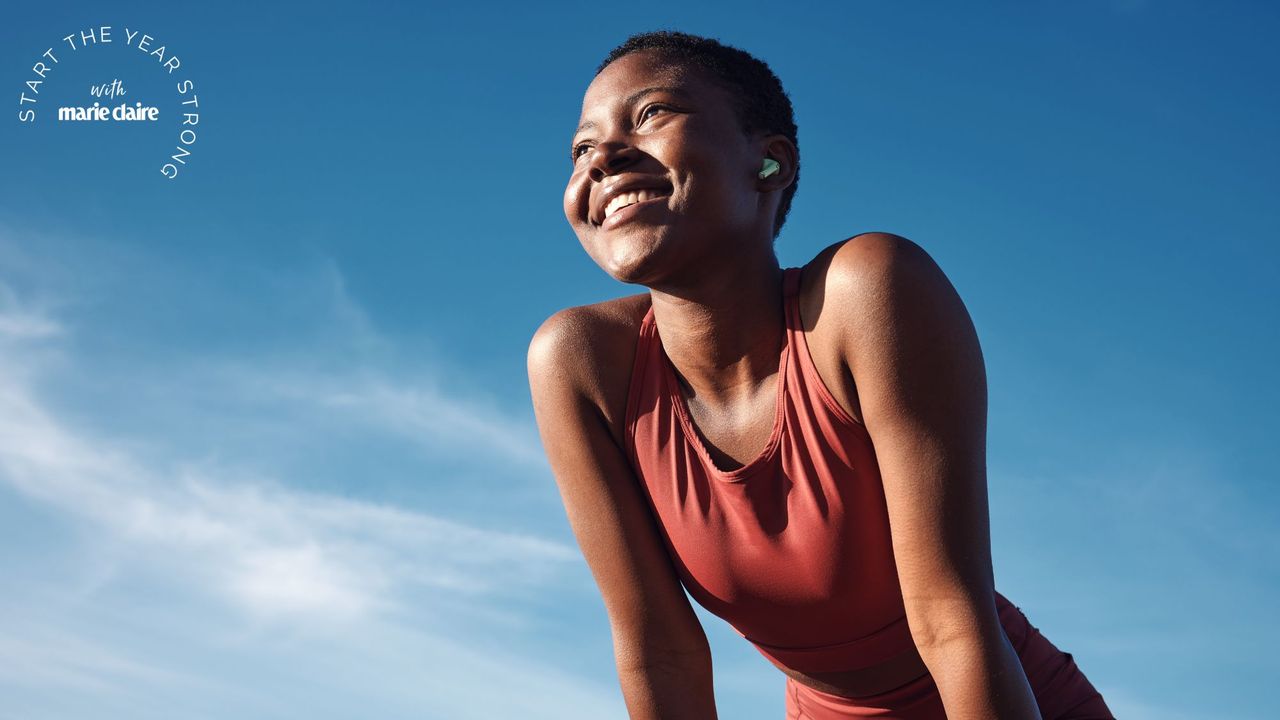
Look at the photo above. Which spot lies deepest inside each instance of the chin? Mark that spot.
(635, 258)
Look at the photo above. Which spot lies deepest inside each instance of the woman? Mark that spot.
(803, 448)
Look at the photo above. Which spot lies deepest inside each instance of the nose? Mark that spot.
(610, 158)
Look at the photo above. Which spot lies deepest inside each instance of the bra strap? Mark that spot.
(790, 281)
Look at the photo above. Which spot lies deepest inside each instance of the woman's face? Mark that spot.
(666, 141)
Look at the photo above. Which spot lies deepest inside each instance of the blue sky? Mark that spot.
(266, 445)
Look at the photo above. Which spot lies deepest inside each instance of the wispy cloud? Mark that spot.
(49, 657)
(379, 584)
(421, 413)
(21, 323)
(270, 549)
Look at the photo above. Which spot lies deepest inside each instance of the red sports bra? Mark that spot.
(793, 548)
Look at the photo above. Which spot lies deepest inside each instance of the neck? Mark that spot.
(723, 330)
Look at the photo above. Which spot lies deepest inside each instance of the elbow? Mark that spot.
(946, 630)
(937, 645)
(666, 665)
(649, 657)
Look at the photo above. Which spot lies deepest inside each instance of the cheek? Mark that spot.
(574, 198)
(701, 160)
(708, 189)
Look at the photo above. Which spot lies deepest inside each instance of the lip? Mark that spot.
(621, 186)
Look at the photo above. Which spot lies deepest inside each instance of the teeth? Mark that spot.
(629, 198)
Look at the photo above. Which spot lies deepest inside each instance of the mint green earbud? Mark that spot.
(770, 167)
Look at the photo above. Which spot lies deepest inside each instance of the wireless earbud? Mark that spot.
(770, 166)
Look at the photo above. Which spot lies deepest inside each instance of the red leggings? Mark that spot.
(1061, 690)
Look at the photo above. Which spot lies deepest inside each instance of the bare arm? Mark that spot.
(661, 651)
(913, 350)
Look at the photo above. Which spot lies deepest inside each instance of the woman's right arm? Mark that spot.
(661, 651)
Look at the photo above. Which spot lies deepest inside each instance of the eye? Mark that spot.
(644, 114)
(577, 150)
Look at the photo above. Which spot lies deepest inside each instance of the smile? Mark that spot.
(626, 205)
(630, 198)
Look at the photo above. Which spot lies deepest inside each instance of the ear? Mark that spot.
(784, 152)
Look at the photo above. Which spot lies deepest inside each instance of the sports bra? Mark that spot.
(792, 549)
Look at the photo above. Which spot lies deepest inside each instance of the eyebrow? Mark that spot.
(632, 98)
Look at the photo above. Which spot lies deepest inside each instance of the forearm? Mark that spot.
(675, 689)
(981, 681)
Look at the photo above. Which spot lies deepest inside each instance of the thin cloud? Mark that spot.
(355, 583)
(51, 657)
(272, 550)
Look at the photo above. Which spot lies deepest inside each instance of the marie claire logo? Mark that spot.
(124, 112)
(101, 112)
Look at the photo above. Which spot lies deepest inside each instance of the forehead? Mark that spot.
(639, 70)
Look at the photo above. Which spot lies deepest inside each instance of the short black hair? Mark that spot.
(761, 102)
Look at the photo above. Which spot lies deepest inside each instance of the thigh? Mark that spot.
(1062, 691)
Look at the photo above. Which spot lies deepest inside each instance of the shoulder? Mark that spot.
(878, 261)
(582, 338)
(589, 350)
(879, 283)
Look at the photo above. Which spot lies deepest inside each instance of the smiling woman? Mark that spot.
(802, 449)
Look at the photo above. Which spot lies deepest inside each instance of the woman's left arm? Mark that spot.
(922, 391)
